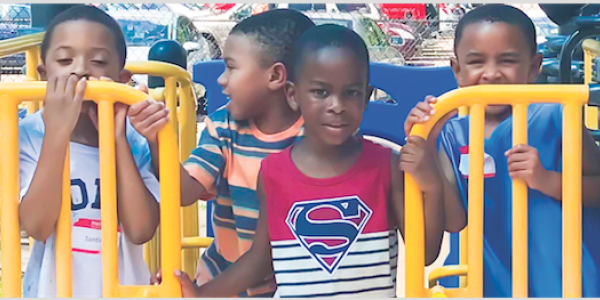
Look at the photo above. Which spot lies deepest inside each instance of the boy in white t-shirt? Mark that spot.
(83, 43)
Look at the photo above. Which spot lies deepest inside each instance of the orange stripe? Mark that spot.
(203, 177)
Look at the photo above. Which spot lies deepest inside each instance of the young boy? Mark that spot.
(331, 204)
(256, 122)
(495, 44)
(82, 43)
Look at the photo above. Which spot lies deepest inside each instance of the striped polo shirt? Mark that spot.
(227, 162)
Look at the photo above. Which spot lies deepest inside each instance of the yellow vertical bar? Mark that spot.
(187, 139)
(475, 211)
(414, 239)
(463, 253)
(519, 211)
(591, 112)
(571, 179)
(587, 67)
(171, 99)
(31, 63)
(64, 276)
(10, 247)
(463, 242)
(170, 210)
(108, 194)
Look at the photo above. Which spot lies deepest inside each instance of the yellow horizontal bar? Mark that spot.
(591, 45)
(20, 44)
(498, 94)
(157, 68)
(107, 91)
(196, 242)
(447, 271)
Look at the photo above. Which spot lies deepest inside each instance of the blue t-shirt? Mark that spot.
(545, 213)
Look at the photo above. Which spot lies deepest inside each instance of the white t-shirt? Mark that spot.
(40, 275)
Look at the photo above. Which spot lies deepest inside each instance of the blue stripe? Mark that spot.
(245, 223)
(341, 267)
(249, 140)
(244, 197)
(341, 293)
(245, 236)
(333, 280)
(285, 246)
(373, 238)
(369, 252)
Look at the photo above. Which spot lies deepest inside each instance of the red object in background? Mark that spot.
(417, 11)
(220, 6)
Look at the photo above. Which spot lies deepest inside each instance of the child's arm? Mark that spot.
(455, 215)
(148, 118)
(248, 271)
(524, 163)
(137, 208)
(40, 206)
(415, 159)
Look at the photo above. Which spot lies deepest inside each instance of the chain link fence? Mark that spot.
(402, 34)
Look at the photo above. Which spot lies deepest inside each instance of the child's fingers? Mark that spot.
(518, 166)
(187, 287)
(518, 149)
(80, 90)
(431, 99)
(139, 107)
(426, 108)
(159, 115)
(142, 87)
(517, 157)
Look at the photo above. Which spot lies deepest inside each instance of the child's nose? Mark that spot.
(222, 81)
(337, 105)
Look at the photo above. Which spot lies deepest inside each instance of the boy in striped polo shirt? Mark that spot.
(256, 122)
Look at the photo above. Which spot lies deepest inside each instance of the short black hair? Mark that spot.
(499, 13)
(92, 14)
(324, 36)
(275, 31)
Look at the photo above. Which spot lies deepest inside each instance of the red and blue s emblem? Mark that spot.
(328, 228)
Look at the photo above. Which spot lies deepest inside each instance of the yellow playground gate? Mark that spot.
(179, 248)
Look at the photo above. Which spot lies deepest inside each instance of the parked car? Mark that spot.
(216, 27)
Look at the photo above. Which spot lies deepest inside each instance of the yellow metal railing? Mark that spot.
(178, 86)
(573, 98)
(178, 90)
(105, 94)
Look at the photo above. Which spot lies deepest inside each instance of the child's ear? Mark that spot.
(456, 70)
(290, 93)
(277, 76)
(125, 76)
(41, 69)
(536, 64)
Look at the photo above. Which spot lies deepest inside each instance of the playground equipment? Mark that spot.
(573, 98)
(105, 94)
(177, 93)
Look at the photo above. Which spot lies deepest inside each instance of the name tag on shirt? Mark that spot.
(86, 236)
(489, 165)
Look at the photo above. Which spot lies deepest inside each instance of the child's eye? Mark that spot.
(354, 93)
(64, 61)
(99, 62)
(320, 93)
(509, 61)
(229, 67)
(475, 62)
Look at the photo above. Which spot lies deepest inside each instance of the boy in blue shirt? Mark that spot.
(495, 44)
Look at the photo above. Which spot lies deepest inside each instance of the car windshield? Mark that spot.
(345, 23)
(307, 6)
(142, 33)
(353, 7)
